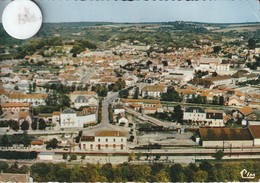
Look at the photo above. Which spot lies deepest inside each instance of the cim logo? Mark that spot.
(247, 175)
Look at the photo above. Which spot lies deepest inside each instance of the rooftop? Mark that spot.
(225, 134)
(255, 131)
(110, 134)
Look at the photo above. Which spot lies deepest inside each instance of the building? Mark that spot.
(154, 91)
(117, 109)
(226, 137)
(244, 112)
(84, 98)
(146, 106)
(46, 156)
(114, 141)
(17, 97)
(15, 107)
(72, 119)
(122, 119)
(194, 114)
(211, 65)
(209, 117)
(255, 131)
(37, 145)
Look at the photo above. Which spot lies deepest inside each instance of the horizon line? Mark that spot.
(115, 22)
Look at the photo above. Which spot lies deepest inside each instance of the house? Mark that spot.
(35, 99)
(214, 118)
(154, 91)
(218, 80)
(104, 140)
(84, 98)
(243, 112)
(15, 177)
(117, 109)
(37, 145)
(122, 119)
(146, 106)
(235, 101)
(72, 119)
(211, 65)
(15, 107)
(194, 114)
(226, 137)
(24, 116)
(56, 117)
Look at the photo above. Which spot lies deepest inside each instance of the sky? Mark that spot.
(214, 11)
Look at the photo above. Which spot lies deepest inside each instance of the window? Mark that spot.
(122, 140)
(106, 146)
(114, 146)
(84, 146)
(99, 140)
(91, 146)
(114, 140)
(99, 147)
(122, 146)
(106, 140)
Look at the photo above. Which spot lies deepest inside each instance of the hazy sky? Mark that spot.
(216, 11)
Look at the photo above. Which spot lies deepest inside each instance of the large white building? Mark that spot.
(108, 141)
(211, 65)
(35, 99)
(153, 91)
(72, 119)
(198, 114)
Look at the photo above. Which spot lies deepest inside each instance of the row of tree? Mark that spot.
(205, 172)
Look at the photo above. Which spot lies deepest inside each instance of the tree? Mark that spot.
(3, 166)
(83, 156)
(221, 100)
(34, 125)
(26, 139)
(162, 176)
(131, 156)
(64, 156)
(214, 74)
(251, 43)
(218, 155)
(201, 176)
(34, 87)
(1, 111)
(30, 88)
(216, 49)
(42, 124)
(176, 173)
(16, 87)
(123, 93)
(136, 94)
(25, 125)
(73, 157)
(215, 100)
(15, 125)
(53, 143)
(171, 95)
(5, 140)
(178, 113)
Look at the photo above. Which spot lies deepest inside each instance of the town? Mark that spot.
(136, 93)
